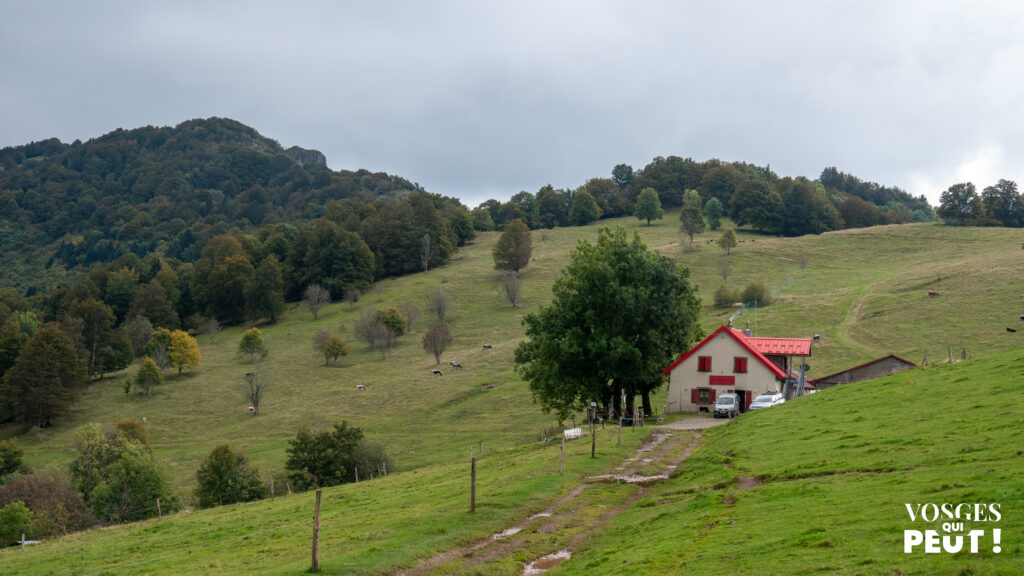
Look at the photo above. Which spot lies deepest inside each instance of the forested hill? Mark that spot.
(161, 190)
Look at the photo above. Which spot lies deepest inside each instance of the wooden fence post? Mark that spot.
(561, 463)
(316, 533)
(271, 487)
(593, 438)
(159, 514)
(472, 485)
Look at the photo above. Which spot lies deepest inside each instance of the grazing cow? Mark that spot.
(1022, 317)
(1010, 330)
(252, 410)
(933, 292)
(360, 388)
(436, 372)
(487, 346)
(817, 337)
(455, 363)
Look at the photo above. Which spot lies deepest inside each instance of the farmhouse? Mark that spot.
(730, 360)
(884, 366)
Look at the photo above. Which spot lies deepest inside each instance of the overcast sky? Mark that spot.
(482, 99)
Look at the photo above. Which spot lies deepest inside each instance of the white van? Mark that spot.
(727, 405)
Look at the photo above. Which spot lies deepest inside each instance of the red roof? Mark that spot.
(782, 346)
(742, 340)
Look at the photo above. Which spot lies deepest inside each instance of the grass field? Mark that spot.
(863, 290)
(366, 528)
(826, 479)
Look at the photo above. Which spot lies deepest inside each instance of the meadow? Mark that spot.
(819, 485)
(864, 291)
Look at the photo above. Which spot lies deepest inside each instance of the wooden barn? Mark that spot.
(884, 366)
(730, 360)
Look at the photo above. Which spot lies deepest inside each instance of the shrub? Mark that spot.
(57, 508)
(10, 457)
(724, 297)
(393, 319)
(133, 429)
(756, 291)
(131, 486)
(323, 459)
(15, 519)
(226, 477)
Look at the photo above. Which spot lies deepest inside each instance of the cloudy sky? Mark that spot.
(481, 99)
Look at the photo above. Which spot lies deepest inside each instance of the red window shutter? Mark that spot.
(712, 395)
(693, 395)
(739, 364)
(704, 363)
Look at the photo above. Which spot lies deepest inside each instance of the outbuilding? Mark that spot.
(883, 366)
(730, 360)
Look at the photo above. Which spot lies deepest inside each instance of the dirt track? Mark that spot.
(662, 449)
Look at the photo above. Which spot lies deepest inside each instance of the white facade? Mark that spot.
(688, 382)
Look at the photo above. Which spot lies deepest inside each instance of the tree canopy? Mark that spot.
(619, 316)
(226, 477)
(648, 206)
(514, 247)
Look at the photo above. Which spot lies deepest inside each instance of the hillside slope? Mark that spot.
(819, 485)
(422, 419)
(163, 190)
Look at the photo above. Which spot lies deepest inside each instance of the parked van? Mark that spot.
(727, 405)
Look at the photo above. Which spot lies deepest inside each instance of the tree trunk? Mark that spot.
(647, 403)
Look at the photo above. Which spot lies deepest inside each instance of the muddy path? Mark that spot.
(653, 462)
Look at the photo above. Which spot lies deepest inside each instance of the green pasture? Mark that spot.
(834, 472)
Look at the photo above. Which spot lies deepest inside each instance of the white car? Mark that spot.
(766, 400)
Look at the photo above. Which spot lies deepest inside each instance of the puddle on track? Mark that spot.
(545, 563)
(507, 532)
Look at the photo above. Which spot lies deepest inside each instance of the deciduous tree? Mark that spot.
(148, 376)
(316, 460)
(713, 213)
(514, 247)
(256, 386)
(264, 296)
(315, 297)
(727, 240)
(183, 351)
(437, 339)
(648, 206)
(331, 347)
(227, 477)
(440, 303)
(252, 345)
(221, 277)
(620, 315)
(691, 217)
(584, 209)
(513, 286)
(960, 205)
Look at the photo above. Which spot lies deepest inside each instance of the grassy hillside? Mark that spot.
(366, 528)
(864, 290)
(819, 485)
(814, 486)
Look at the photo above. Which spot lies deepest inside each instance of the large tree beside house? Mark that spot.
(619, 315)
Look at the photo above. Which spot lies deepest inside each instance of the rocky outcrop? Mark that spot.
(307, 157)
